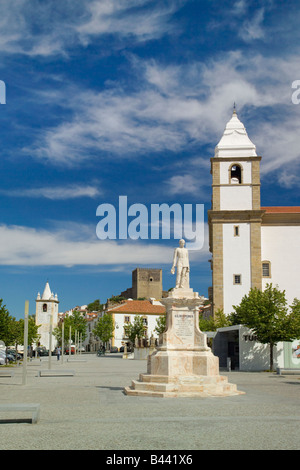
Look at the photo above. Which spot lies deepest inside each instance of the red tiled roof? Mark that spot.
(281, 210)
(139, 306)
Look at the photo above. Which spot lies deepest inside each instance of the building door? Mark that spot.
(233, 353)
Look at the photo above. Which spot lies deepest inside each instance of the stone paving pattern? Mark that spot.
(90, 411)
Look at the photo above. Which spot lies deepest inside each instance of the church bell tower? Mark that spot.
(235, 217)
(46, 314)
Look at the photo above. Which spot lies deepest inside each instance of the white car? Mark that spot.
(2, 357)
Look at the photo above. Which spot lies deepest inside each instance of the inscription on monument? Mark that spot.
(184, 327)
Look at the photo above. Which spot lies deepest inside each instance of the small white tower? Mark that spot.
(46, 313)
(235, 217)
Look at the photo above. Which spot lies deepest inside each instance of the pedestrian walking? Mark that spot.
(58, 353)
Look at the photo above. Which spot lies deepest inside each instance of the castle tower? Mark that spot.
(46, 312)
(235, 217)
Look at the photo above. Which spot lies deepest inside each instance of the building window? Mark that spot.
(266, 269)
(126, 319)
(237, 279)
(44, 307)
(235, 174)
(236, 231)
(145, 321)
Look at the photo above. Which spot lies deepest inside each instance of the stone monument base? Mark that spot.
(182, 365)
(165, 386)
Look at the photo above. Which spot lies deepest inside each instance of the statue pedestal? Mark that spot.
(182, 365)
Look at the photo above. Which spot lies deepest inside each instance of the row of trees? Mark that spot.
(75, 323)
(266, 313)
(105, 328)
(12, 330)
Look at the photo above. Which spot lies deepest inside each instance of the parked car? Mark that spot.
(5, 356)
(17, 356)
(72, 350)
(114, 349)
(2, 360)
(40, 351)
(129, 349)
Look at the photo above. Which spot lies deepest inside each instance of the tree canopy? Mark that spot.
(137, 328)
(76, 322)
(104, 328)
(269, 316)
(95, 306)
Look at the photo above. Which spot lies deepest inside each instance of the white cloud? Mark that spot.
(252, 28)
(141, 19)
(55, 193)
(27, 246)
(25, 27)
(183, 184)
(174, 108)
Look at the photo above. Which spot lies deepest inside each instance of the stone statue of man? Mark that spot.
(181, 259)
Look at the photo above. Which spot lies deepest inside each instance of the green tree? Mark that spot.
(104, 328)
(117, 298)
(219, 320)
(77, 323)
(95, 306)
(18, 331)
(268, 315)
(160, 324)
(6, 325)
(137, 328)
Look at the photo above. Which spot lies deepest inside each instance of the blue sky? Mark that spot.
(107, 98)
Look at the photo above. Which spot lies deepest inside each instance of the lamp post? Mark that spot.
(24, 371)
(50, 337)
(62, 341)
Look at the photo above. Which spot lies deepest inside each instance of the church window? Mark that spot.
(235, 174)
(266, 269)
(44, 307)
(236, 230)
(237, 279)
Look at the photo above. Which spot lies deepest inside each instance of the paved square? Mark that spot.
(90, 411)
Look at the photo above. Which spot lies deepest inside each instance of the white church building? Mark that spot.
(46, 315)
(251, 245)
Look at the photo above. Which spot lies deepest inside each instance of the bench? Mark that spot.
(33, 408)
(55, 373)
(7, 373)
(286, 370)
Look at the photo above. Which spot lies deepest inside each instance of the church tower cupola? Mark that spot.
(235, 217)
(46, 314)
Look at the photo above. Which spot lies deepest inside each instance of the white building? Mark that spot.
(46, 315)
(250, 245)
(124, 313)
(239, 344)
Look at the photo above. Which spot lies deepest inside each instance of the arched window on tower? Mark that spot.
(44, 307)
(235, 174)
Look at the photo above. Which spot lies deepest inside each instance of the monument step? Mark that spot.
(190, 379)
(205, 393)
(208, 386)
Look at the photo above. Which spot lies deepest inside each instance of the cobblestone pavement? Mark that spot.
(90, 411)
